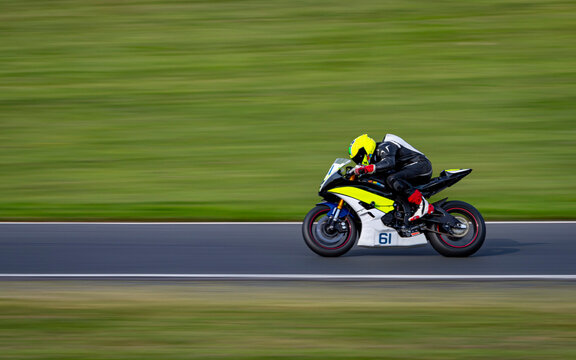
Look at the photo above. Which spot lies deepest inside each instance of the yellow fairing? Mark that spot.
(382, 203)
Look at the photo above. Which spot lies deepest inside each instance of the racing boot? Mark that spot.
(424, 208)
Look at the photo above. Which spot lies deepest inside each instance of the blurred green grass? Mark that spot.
(269, 321)
(233, 110)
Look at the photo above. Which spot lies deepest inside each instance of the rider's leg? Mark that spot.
(424, 208)
(399, 182)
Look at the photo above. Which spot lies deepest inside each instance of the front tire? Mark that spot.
(322, 242)
(468, 241)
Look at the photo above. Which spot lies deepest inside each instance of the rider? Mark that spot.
(398, 163)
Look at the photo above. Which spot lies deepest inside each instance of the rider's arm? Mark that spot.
(386, 152)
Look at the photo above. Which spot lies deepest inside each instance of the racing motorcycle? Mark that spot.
(364, 211)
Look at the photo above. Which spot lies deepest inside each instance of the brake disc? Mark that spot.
(323, 236)
(462, 229)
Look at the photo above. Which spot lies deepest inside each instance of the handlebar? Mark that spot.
(350, 174)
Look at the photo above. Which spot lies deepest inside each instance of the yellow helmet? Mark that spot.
(361, 149)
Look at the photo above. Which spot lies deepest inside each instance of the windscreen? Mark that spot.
(337, 165)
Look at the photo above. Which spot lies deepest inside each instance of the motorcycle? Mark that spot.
(364, 211)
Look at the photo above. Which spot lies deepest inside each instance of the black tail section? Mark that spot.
(446, 179)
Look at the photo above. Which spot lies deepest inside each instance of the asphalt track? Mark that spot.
(268, 251)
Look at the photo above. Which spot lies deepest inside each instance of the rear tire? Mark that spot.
(466, 243)
(323, 243)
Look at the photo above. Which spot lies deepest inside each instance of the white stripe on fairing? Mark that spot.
(295, 277)
(242, 223)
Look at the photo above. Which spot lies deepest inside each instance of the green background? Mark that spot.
(234, 110)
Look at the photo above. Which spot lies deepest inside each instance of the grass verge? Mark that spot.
(282, 320)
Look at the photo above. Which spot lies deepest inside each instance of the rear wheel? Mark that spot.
(321, 239)
(463, 241)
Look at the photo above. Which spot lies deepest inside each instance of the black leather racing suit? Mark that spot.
(400, 165)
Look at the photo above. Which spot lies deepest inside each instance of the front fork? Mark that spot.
(334, 223)
(333, 218)
(338, 209)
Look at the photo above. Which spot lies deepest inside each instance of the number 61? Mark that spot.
(385, 238)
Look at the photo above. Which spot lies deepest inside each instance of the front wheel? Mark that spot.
(323, 241)
(463, 242)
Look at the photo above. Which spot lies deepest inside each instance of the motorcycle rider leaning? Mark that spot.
(397, 163)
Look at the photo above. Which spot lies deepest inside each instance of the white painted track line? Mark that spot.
(309, 277)
(148, 223)
(240, 223)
